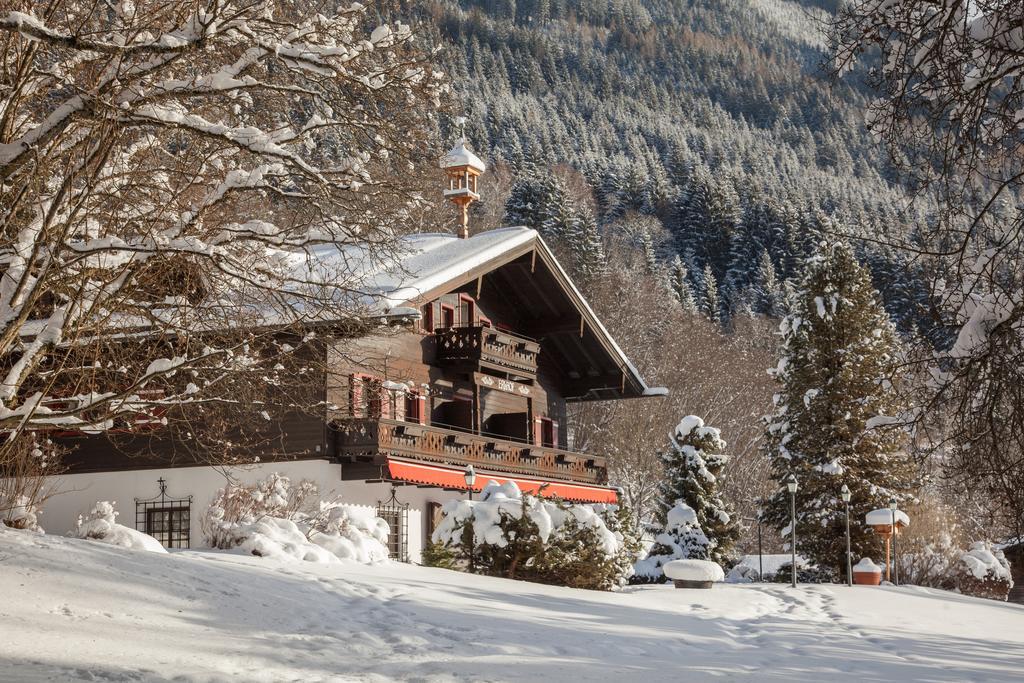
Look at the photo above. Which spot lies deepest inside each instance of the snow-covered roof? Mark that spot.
(429, 261)
(460, 155)
(883, 516)
(424, 262)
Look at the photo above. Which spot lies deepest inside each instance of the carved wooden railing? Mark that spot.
(363, 439)
(476, 343)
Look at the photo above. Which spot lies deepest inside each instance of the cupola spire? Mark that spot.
(462, 168)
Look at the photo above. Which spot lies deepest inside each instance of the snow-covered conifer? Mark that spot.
(681, 538)
(710, 304)
(586, 248)
(694, 464)
(679, 280)
(766, 291)
(838, 365)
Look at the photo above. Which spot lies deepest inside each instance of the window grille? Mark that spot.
(396, 514)
(167, 519)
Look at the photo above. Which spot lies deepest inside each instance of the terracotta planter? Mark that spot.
(682, 583)
(867, 578)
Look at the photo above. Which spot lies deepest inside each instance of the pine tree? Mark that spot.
(647, 247)
(586, 249)
(694, 464)
(836, 371)
(710, 304)
(766, 293)
(680, 538)
(679, 281)
(541, 203)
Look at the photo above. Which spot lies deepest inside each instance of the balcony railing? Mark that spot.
(476, 344)
(374, 440)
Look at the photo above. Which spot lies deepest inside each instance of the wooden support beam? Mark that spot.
(479, 286)
(582, 326)
(533, 261)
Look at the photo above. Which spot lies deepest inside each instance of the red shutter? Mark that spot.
(428, 317)
(538, 432)
(422, 401)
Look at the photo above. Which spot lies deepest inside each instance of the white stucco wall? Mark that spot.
(76, 494)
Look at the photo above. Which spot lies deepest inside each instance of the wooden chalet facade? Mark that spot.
(494, 342)
(489, 342)
(484, 376)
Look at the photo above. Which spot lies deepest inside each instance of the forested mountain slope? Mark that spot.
(713, 116)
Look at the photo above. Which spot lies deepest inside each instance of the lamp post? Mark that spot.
(895, 564)
(470, 476)
(792, 486)
(845, 494)
(760, 552)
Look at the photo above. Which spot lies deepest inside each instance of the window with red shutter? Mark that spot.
(447, 316)
(428, 317)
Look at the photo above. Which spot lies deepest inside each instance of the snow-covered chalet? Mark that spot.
(497, 341)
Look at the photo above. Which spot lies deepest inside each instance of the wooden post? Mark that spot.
(477, 421)
(888, 562)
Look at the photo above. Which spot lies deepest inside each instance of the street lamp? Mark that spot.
(470, 476)
(845, 494)
(760, 553)
(792, 486)
(895, 564)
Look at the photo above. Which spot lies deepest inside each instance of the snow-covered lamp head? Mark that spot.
(791, 484)
(462, 168)
(845, 493)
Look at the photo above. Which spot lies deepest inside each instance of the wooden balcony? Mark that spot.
(369, 440)
(475, 346)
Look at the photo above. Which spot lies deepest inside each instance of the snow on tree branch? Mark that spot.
(171, 172)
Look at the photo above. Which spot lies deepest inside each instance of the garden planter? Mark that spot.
(693, 573)
(867, 573)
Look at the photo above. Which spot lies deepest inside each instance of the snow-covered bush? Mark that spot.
(27, 463)
(984, 572)
(526, 537)
(23, 514)
(100, 524)
(352, 533)
(237, 504)
(272, 518)
(681, 539)
(804, 574)
(743, 573)
(930, 549)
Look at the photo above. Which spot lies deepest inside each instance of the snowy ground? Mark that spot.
(78, 610)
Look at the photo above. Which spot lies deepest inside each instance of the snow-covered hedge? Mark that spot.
(100, 524)
(272, 518)
(536, 539)
(984, 572)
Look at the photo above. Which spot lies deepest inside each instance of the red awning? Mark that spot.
(453, 479)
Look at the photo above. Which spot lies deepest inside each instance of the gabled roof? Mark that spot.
(433, 264)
